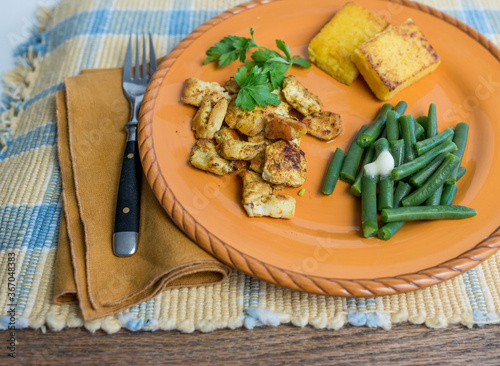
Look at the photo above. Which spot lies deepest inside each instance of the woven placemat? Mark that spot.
(91, 34)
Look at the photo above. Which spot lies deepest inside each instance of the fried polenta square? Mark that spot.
(396, 59)
(331, 49)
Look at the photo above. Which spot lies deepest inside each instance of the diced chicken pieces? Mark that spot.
(283, 108)
(209, 117)
(239, 164)
(254, 187)
(257, 163)
(247, 122)
(323, 125)
(279, 206)
(232, 86)
(226, 134)
(284, 128)
(204, 156)
(230, 146)
(259, 199)
(299, 97)
(285, 163)
(258, 138)
(252, 122)
(202, 115)
(262, 145)
(195, 90)
(239, 150)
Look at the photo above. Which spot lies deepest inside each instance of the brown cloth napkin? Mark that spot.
(91, 116)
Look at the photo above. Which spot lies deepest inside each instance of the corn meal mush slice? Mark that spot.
(395, 59)
(332, 47)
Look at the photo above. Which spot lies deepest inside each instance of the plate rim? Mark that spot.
(271, 273)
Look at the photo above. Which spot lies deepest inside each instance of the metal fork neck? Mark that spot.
(132, 125)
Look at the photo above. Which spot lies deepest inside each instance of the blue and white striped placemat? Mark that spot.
(85, 34)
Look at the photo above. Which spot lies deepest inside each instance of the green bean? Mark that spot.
(385, 192)
(390, 229)
(460, 139)
(434, 182)
(386, 184)
(375, 128)
(431, 129)
(383, 134)
(367, 159)
(352, 159)
(369, 206)
(461, 172)
(333, 172)
(398, 152)
(423, 174)
(419, 132)
(407, 125)
(429, 143)
(392, 126)
(400, 108)
(381, 144)
(427, 213)
(424, 159)
(422, 121)
(435, 198)
(449, 192)
(402, 190)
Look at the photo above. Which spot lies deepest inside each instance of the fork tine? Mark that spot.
(137, 59)
(144, 58)
(127, 67)
(152, 56)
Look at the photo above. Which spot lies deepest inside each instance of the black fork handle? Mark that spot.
(126, 233)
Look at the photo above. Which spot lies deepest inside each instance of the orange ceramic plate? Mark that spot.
(321, 249)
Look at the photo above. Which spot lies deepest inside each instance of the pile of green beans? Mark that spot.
(423, 183)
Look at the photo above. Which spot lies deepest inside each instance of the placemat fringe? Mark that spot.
(321, 312)
(19, 81)
(30, 207)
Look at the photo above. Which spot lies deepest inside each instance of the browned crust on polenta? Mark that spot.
(403, 32)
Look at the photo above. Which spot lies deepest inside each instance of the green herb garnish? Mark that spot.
(259, 77)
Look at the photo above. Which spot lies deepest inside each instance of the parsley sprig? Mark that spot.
(261, 75)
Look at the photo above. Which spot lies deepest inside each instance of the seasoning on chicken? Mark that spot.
(257, 163)
(261, 145)
(283, 127)
(247, 122)
(195, 90)
(204, 156)
(232, 86)
(210, 116)
(259, 199)
(226, 134)
(299, 97)
(230, 146)
(323, 125)
(285, 163)
(251, 122)
(240, 150)
(283, 108)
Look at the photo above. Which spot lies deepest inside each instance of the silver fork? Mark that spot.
(126, 232)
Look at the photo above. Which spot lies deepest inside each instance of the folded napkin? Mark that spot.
(91, 115)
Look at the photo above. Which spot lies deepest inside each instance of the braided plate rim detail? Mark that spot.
(254, 267)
